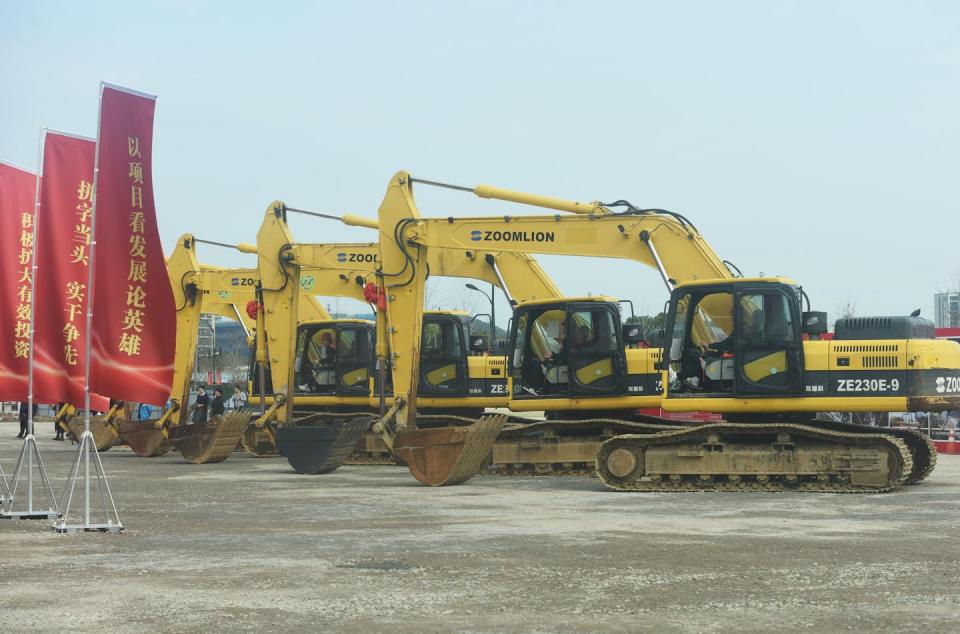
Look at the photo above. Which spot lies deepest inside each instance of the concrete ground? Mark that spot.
(249, 545)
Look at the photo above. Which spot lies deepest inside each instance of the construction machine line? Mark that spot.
(199, 289)
(741, 346)
(454, 383)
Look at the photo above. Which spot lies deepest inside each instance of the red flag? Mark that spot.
(18, 188)
(63, 255)
(134, 316)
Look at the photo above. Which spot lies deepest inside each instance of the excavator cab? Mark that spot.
(572, 348)
(333, 358)
(735, 338)
(443, 356)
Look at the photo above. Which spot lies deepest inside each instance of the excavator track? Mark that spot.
(922, 450)
(371, 450)
(258, 442)
(558, 447)
(212, 441)
(733, 457)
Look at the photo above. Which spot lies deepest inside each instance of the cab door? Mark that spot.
(594, 350)
(769, 349)
(354, 354)
(443, 357)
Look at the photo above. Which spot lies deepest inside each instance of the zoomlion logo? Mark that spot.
(941, 385)
(356, 257)
(223, 294)
(512, 236)
(307, 282)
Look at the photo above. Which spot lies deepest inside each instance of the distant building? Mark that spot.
(946, 310)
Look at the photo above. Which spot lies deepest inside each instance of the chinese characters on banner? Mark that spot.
(63, 247)
(18, 189)
(134, 316)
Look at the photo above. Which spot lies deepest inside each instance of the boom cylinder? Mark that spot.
(536, 200)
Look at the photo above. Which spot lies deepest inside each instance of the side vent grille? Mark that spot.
(860, 323)
(881, 362)
(877, 347)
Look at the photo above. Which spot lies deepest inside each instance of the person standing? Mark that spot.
(217, 407)
(57, 429)
(24, 418)
(241, 398)
(200, 406)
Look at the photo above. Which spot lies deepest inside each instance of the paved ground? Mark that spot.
(249, 545)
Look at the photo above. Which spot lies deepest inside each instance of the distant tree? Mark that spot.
(843, 311)
(648, 322)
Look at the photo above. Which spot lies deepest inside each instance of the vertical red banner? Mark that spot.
(134, 316)
(63, 257)
(18, 190)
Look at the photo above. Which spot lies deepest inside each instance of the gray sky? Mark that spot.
(814, 140)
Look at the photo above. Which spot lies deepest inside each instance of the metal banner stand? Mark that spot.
(109, 522)
(30, 450)
(28, 455)
(111, 519)
(5, 493)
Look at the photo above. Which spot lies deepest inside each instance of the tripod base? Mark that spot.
(60, 527)
(30, 460)
(108, 520)
(29, 515)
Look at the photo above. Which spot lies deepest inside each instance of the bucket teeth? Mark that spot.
(448, 455)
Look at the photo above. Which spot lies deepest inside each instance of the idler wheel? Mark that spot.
(623, 462)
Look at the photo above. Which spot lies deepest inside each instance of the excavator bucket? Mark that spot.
(448, 455)
(212, 441)
(259, 442)
(104, 433)
(320, 443)
(144, 437)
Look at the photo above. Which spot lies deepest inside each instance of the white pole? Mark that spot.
(33, 321)
(88, 335)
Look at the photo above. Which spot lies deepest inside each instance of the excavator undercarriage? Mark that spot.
(755, 457)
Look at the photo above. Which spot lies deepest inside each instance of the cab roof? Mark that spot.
(567, 300)
(334, 322)
(737, 280)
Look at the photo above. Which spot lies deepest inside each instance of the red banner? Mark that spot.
(63, 255)
(18, 189)
(134, 316)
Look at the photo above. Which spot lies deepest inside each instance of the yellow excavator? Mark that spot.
(199, 289)
(741, 346)
(455, 384)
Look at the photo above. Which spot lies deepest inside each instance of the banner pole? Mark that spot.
(30, 442)
(87, 443)
(88, 335)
